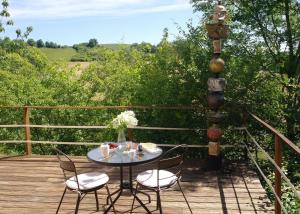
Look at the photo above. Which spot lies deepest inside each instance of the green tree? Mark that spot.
(31, 42)
(23, 35)
(40, 43)
(5, 20)
(92, 43)
(144, 47)
(264, 45)
(273, 26)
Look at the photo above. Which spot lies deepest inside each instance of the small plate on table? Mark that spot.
(112, 146)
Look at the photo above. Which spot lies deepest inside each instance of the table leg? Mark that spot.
(130, 179)
(114, 201)
(120, 191)
(121, 185)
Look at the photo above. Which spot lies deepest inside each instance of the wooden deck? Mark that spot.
(34, 185)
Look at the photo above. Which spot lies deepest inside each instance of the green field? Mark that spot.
(115, 46)
(59, 54)
(65, 54)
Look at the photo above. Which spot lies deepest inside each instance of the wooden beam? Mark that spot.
(26, 115)
(278, 134)
(278, 160)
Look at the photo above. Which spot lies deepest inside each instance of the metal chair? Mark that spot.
(83, 183)
(166, 175)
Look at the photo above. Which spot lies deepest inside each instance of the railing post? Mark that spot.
(130, 134)
(245, 125)
(26, 115)
(278, 160)
(245, 118)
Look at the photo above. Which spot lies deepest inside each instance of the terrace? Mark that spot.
(33, 183)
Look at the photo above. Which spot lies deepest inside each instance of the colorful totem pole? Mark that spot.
(217, 30)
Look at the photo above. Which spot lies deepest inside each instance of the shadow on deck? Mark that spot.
(34, 185)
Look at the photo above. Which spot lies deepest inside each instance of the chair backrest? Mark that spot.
(171, 162)
(67, 165)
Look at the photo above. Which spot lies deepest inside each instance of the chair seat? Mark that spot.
(87, 181)
(149, 178)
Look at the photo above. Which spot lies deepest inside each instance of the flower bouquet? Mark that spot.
(124, 120)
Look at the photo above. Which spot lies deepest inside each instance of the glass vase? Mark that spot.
(121, 136)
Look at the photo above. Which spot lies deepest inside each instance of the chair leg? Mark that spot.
(184, 197)
(62, 197)
(77, 203)
(134, 194)
(159, 202)
(157, 199)
(97, 202)
(109, 195)
(146, 194)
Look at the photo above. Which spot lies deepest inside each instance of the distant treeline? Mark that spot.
(93, 43)
(48, 44)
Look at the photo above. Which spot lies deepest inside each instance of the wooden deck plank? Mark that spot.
(34, 185)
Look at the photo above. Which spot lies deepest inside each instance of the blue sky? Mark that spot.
(110, 21)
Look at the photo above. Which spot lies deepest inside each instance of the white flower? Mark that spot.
(124, 120)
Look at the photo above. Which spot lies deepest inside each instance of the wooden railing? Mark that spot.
(279, 139)
(27, 124)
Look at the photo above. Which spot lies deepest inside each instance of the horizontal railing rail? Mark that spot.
(277, 163)
(162, 107)
(97, 144)
(296, 192)
(98, 127)
(106, 127)
(277, 133)
(27, 126)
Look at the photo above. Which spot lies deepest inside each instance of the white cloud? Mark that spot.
(53, 9)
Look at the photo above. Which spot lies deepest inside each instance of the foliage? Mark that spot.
(92, 43)
(144, 47)
(291, 204)
(52, 45)
(5, 20)
(31, 42)
(270, 29)
(40, 43)
(23, 35)
(175, 73)
(86, 54)
(264, 45)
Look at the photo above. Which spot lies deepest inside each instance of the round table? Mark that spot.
(117, 158)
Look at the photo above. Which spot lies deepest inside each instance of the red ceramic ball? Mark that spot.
(214, 134)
